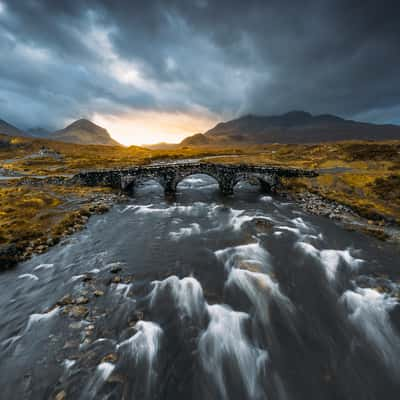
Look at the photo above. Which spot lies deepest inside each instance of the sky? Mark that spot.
(159, 70)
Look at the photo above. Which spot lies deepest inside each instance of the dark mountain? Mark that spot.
(39, 132)
(10, 130)
(84, 131)
(196, 140)
(292, 127)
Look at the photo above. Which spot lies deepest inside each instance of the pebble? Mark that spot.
(61, 395)
(82, 300)
(78, 311)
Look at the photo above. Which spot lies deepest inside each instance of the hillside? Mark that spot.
(11, 130)
(292, 127)
(84, 131)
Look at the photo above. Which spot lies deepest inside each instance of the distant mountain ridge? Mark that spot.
(84, 131)
(81, 131)
(292, 127)
(10, 130)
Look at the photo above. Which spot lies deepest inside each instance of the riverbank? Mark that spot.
(37, 214)
(351, 220)
(358, 182)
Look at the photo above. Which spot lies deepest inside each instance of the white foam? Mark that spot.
(28, 276)
(187, 294)
(299, 222)
(68, 364)
(76, 277)
(369, 312)
(105, 369)
(123, 289)
(235, 218)
(331, 259)
(192, 229)
(35, 319)
(224, 345)
(260, 289)
(43, 266)
(252, 253)
(102, 373)
(134, 207)
(144, 347)
(267, 199)
(195, 209)
(296, 231)
(239, 217)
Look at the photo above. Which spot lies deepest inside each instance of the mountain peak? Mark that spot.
(84, 131)
(83, 123)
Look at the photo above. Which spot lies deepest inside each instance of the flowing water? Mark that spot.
(204, 297)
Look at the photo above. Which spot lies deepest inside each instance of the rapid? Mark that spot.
(204, 297)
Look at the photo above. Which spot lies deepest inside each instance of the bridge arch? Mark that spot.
(181, 177)
(267, 183)
(196, 175)
(141, 180)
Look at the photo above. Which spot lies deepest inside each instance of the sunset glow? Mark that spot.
(149, 127)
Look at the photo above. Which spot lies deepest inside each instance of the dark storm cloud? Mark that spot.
(66, 59)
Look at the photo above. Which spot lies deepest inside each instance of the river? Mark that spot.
(207, 298)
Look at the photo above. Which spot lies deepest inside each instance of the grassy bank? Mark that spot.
(362, 175)
(32, 218)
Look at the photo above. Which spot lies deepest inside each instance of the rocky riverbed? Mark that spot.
(384, 229)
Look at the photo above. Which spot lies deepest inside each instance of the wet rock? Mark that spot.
(70, 344)
(8, 255)
(263, 225)
(89, 330)
(98, 293)
(75, 325)
(138, 316)
(116, 279)
(78, 311)
(82, 300)
(61, 395)
(115, 268)
(66, 300)
(88, 277)
(112, 358)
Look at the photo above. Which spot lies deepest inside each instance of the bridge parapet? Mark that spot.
(169, 175)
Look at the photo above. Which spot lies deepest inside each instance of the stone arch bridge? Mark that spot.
(169, 175)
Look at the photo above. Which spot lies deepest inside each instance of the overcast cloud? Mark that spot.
(62, 60)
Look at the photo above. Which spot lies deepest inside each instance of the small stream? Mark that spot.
(206, 298)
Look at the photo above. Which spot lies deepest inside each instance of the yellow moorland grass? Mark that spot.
(15, 153)
(362, 175)
(35, 213)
